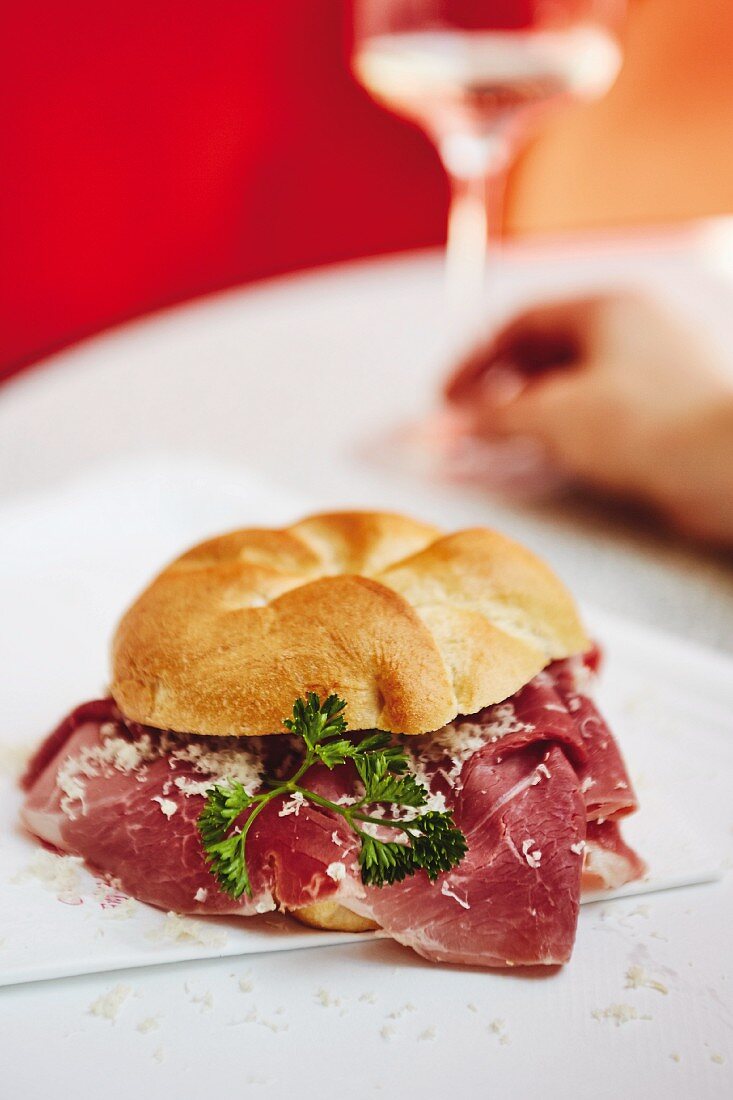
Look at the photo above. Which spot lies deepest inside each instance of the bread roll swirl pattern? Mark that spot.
(411, 626)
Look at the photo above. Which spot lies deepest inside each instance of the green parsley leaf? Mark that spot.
(383, 862)
(315, 721)
(225, 854)
(394, 755)
(227, 863)
(334, 753)
(223, 807)
(382, 785)
(429, 842)
(438, 845)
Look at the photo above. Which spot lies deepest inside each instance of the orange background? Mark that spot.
(659, 147)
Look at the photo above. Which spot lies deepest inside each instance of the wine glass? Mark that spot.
(475, 75)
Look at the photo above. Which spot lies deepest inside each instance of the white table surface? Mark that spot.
(296, 379)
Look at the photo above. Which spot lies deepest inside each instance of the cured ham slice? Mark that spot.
(536, 783)
(129, 805)
(514, 899)
(603, 778)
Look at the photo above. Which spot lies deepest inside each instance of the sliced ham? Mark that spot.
(514, 899)
(536, 783)
(602, 773)
(129, 806)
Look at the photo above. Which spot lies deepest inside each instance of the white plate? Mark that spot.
(107, 533)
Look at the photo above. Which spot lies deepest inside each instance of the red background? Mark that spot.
(154, 151)
(157, 149)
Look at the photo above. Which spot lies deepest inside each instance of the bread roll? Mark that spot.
(331, 917)
(410, 626)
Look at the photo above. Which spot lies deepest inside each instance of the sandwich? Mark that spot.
(360, 721)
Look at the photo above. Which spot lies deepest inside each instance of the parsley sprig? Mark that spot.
(432, 842)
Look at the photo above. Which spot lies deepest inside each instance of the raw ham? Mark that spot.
(129, 805)
(514, 899)
(536, 783)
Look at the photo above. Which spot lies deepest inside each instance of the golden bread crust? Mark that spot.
(332, 917)
(410, 626)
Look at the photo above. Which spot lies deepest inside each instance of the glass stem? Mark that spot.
(466, 252)
(476, 171)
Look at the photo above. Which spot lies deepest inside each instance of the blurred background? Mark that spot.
(152, 152)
